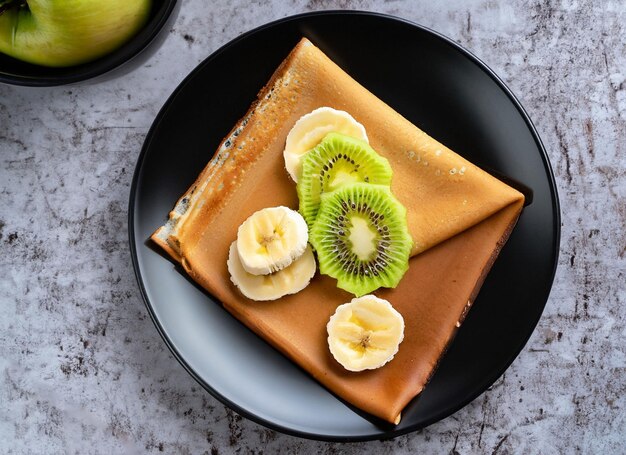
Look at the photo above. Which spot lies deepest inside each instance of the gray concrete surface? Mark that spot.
(82, 368)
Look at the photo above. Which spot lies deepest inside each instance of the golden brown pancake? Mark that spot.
(459, 218)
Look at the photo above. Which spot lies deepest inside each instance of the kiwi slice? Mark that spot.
(362, 238)
(336, 161)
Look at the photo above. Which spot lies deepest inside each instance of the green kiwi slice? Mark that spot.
(361, 238)
(336, 161)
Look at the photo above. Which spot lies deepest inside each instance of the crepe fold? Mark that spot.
(459, 218)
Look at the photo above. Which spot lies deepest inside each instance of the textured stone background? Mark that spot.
(82, 368)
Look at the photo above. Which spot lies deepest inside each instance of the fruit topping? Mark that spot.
(365, 333)
(361, 238)
(311, 128)
(337, 161)
(271, 239)
(289, 280)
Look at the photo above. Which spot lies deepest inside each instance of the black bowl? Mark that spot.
(121, 61)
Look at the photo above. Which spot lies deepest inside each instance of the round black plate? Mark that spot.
(441, 88)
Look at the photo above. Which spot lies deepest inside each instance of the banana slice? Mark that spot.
(278, 284)
(311, 128)
(365, 333)
(271, 239)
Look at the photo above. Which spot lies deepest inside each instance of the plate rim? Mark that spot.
(384, 434)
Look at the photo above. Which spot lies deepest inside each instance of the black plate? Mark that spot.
(441, 88)
(121, 61)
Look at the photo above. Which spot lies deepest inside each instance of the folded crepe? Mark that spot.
(458, 215)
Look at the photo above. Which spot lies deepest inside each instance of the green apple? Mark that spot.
(67, 32)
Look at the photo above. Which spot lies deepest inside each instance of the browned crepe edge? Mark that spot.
(171, 245)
